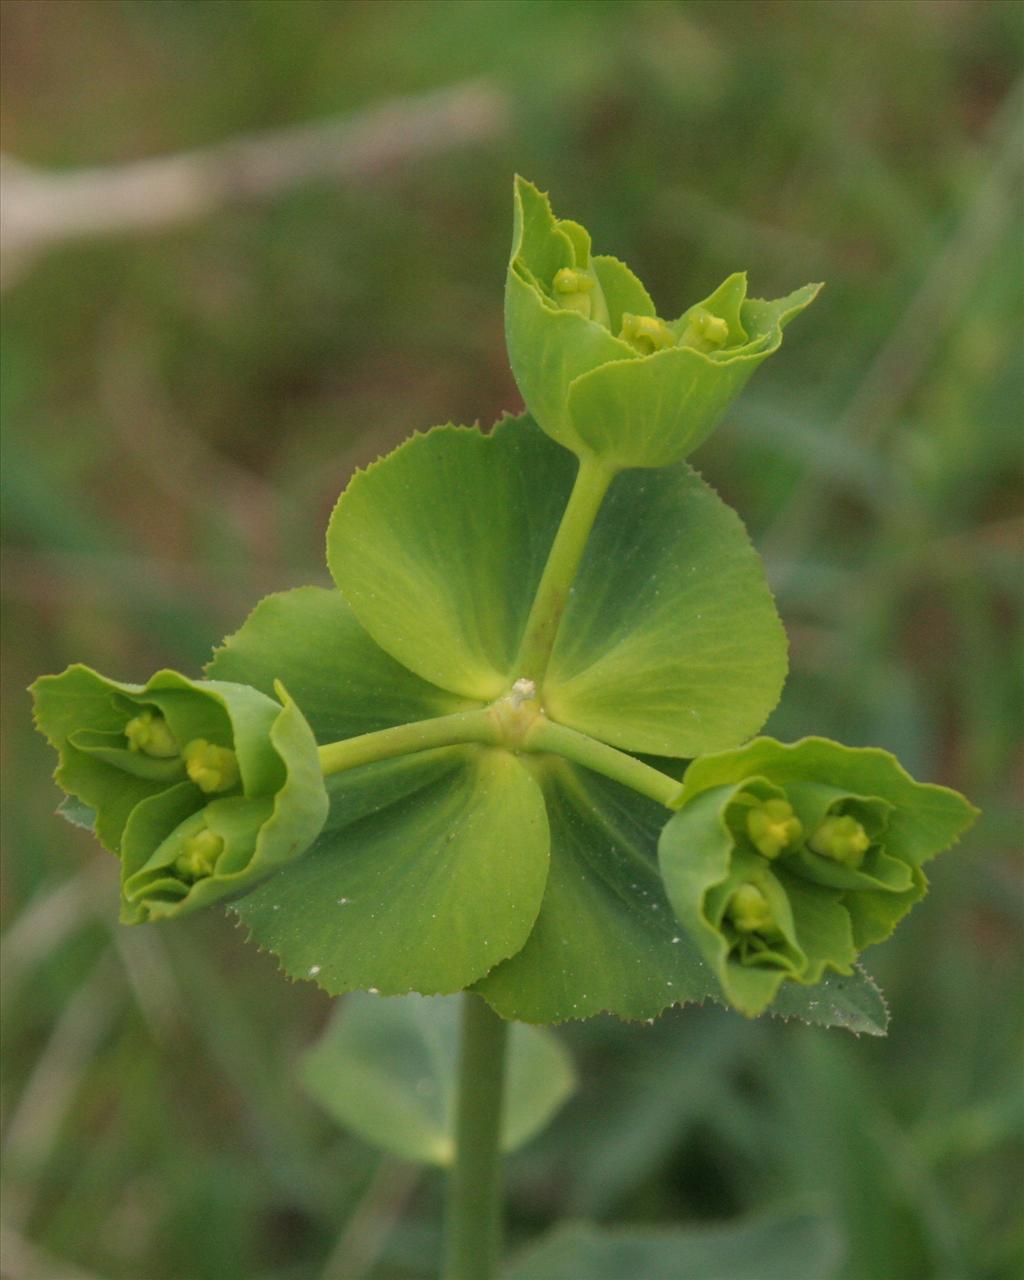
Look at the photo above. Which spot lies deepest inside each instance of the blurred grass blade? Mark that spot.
(800, 1246)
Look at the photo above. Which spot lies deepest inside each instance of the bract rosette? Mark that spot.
(201, 787)
(599, 370)
(784, 861)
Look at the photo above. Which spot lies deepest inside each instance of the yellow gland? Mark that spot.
(843, 839)
(200, 857)
(150, 734)
(211, 768)
(704, 331)
(572, 291)
(750, 911)
(773, 826)
(646, 334)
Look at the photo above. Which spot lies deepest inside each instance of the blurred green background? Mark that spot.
(182, 406)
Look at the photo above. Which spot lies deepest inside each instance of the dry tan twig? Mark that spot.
(39, 210)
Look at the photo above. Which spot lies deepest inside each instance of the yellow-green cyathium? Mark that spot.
(599, 370)
(201, 787)
(786, 860)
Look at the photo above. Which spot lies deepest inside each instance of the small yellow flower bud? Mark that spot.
(646, 334)
(842, 839)
(149, 734)
(773, 826)
(705, 332)
(750, 911)
(569, 280)
(200, 857)
(572, 291)
(210, 767)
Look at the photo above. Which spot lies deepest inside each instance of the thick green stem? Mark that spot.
(420, 735)
(474, 1190)
(592, 481)
(545, 735)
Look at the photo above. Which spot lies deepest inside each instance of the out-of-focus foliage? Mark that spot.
(155, 1126)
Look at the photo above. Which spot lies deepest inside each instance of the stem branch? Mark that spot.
(483, 726)
(592, 481)
(474, 1200)
(420, 735)
(546, 735)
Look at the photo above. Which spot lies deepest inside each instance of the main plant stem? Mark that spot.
(592, 481)
(473, 1236)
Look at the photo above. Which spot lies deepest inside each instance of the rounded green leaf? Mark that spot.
(310, 640)
(606, 939)
(654, 411)
(440, 546)
(387, 1070)
(670, 643)
(429, 871)
(548, 349)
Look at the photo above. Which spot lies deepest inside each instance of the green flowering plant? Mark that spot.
(476, 779)
(201, 788)
(456, 796)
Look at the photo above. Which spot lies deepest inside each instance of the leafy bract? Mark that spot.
(387, 1070)
(651, 411)
(599, 370)
(310, 640)
(202, 788)
(430, 870)
(670, 642)
(439, 548)
(784, 861)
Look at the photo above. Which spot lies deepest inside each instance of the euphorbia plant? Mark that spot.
(455, 793)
